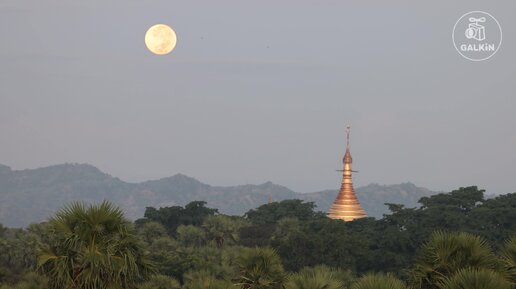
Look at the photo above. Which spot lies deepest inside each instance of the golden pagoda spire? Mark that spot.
(346, 206)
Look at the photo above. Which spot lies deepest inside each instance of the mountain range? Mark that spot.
(32, 195)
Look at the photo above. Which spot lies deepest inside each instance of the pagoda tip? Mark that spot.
(348, 130)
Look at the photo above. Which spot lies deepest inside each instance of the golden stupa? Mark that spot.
(346, 206)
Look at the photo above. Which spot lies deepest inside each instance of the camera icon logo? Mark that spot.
(477, 35)
(475, 30)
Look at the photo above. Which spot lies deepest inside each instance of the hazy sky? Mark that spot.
(258, 91)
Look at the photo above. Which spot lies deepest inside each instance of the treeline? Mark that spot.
(454, 240)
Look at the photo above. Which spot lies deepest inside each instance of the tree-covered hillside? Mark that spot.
(28, 196)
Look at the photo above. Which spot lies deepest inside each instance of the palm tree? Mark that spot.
(509, 259)
(447, 253)
(319, 277)
(378, 281)
(471, 278)
(260, 268)
(95, 247)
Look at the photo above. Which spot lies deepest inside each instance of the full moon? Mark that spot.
(160, 39)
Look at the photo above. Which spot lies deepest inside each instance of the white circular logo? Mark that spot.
(477, 35)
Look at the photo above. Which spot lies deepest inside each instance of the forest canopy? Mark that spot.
(450, 240)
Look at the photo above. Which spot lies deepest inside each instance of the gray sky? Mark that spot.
(258, 91)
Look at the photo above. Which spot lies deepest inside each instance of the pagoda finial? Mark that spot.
(348, 130)
(346, 206)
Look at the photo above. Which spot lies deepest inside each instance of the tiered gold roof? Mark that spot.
(346, 206)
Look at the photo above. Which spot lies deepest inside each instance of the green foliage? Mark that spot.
(222, 264)
(171, 263)
(172, 217)
(447, 253)
(464, 199)
(260, 268)
(273, 212)
(319, 277)
(494, 219)
(285, 228)
(475, 278)
(464, 210)
(204, 250)
(95, 247)
(206, 280)
(509, 259)
(322, 241)
(257, 235)
(221, 229)
(18, 250)
(173, 259)
(150, 231)
(191, 235)
(379, 281)
(160, 282)
(30, 280)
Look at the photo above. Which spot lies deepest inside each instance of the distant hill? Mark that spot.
(28, 196)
